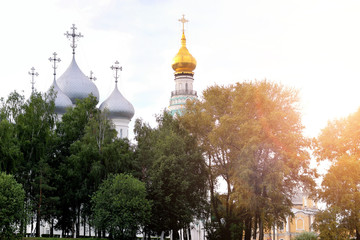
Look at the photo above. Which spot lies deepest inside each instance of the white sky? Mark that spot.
(311, 45)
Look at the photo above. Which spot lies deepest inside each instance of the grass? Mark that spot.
(49, 238)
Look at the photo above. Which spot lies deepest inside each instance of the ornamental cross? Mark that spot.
(33, 75)
(55, 60)
(116, 68)
(92, 78)
(183, 21)
(73, 35)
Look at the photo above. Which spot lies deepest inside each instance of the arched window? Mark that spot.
(299, 224)
(186, 87)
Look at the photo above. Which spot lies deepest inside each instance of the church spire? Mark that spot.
(55, 60)
(183, 62)
(73, 35)
(33, 75)
(92, 77)
(117, 68)
(183, 21)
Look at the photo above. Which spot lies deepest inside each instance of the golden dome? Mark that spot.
(183, 62)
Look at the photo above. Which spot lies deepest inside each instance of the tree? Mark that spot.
(89, 152)
(12, 212)
(340, 189)
(251, 135)
(10, 154)
(330, 226)
(35, 128)
(70, 171)
(120, 206)
(174, 172)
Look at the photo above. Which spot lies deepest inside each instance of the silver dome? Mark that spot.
(62, 102)
(75, 84)
(118, 106)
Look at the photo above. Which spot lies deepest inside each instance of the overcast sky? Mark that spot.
(311, 45)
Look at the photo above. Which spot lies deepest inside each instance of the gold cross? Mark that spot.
(183, 21)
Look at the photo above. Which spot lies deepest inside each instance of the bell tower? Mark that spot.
(183, 64)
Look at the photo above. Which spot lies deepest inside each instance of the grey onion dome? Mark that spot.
(75, 84)
(62, 102)
(118, 106)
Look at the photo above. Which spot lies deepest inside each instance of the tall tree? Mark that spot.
(12, 212)
(174, 173)
(339, 143)
(10, 153)
(251, 134)
(35, 129)
(69, 133)
(121, 207)
(89, 152)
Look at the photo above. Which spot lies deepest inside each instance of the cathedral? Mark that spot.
(74, 84)
(183, 64)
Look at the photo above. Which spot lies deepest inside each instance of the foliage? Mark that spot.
(120, 206)
(339, 143)
(12, 198)
(89, 152)
(330, 226)
(251, 135)
(34, 122)
(306, 236)
(174, 172)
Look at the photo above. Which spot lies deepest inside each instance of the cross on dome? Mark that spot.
(183, 21)
(55, 60)
(116, 68)
(92, 78)
(33, 75)
(73, 35)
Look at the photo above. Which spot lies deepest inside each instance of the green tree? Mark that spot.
(12, 197)
(35, 129)
(70, 173)
(330, 226)
(251, 135)
(339, 143)
(10, 154)
(90, 152)
(174, 172)
(120, 206)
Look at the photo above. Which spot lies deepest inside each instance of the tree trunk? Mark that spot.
(52, 228)
(73, 228)
(22, 225)
(78, 222)
(274, 232)
(248, 228)
(84, 226)
(176, 235)
(38, 218)
(261, 229)
(255, 226)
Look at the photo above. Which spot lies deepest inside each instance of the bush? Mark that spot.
(12, 197)
(306, 236)
(120, 206)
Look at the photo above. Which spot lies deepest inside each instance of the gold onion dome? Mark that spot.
(183, 62)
